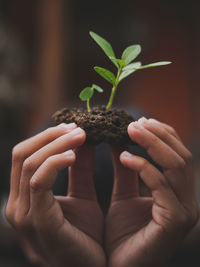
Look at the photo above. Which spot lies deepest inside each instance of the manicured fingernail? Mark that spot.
(68, 127)
(126, 155)
(77, 132)
(69, 154)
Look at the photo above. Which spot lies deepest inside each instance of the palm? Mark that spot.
(78, 216)
(85, 216)
(75, 222)
(133, 223)
(124, 228)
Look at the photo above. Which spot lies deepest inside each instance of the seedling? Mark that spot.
(88, 92)
(125, 67)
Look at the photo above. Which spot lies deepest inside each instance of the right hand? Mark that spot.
(59, 230)
(146, 231)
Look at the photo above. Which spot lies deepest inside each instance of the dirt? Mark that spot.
(101, 125)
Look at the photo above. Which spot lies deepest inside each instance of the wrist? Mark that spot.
(63, 252)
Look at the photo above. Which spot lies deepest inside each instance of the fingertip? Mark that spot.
(34, 185)
(134, 129)
(70, 154)
(154, 120)
(125, 156)
(78, 134)
(142, 120)
(131, 126)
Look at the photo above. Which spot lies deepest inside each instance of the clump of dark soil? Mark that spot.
(100, 125)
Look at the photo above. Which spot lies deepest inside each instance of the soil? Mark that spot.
(101, 125)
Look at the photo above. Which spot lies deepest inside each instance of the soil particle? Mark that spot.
(101, 125)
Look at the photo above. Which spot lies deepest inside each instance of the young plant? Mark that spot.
(88, 92)
(125, 67)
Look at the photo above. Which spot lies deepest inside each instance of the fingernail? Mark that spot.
(143, 119)
(126, 154)
(137, 125)
(154, 121)
(69, 154)
(77, 132)
(68, 127)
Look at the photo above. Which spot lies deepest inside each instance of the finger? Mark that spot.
(81, 184)
(63, 143)
(125, 181)
(167, 210)
(26, 148)
(178, 175)
(41, 197)
(164, 134)
(159, 151)
(162, 193)
(166, 126)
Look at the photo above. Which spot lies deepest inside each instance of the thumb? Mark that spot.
(125, 180)
(81, 182)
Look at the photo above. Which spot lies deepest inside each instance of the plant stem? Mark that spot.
(88, 105)
(112, 95)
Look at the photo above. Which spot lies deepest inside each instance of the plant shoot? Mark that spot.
(125, 67)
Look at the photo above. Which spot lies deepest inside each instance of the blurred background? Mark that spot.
(47, 58)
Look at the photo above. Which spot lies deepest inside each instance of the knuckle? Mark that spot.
(9, 214)
(20, 222)
(162, 182)
(145, 164)
(189, 157)
(180, 164)
(28, 165)
(49, 131)
(17, 152)
(172, 130)
(34, 185)
(52, 131)
(50, 160)
(163, 131)
(155, 142)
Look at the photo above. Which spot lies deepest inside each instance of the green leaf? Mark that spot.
(131, 66)
(125, 74)
(106, 74)
(98, 88)
(86, 93)
(105, 46)
(156, 64)
(128, 70)
(130, 53)
(121, 63)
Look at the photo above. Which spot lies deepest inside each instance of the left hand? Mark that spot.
(57, 231)
(145, 231)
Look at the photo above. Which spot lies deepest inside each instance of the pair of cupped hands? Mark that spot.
(71, 230)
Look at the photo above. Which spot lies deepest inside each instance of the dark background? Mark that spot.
(47, 58)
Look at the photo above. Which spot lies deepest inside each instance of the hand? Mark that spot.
(145, 231)
(61, 231)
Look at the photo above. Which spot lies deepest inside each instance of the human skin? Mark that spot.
(58, 231)
(145, 231)
(69, 231)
